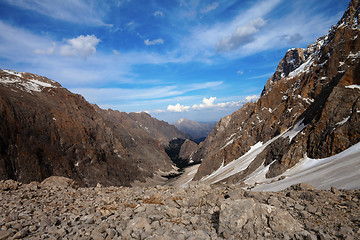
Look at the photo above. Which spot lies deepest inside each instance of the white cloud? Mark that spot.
(158, 13)
(242, 35)
(76, 11)
(210, 7)
(252, 98)
(208, 103)
(153, 42)
(116, 52)
(81, 45)
(178, 108)
(240, 72)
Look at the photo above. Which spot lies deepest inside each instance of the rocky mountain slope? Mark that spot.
(160, 130)
(58, 209)
(309, 108)
(46, 130)
(196, 131)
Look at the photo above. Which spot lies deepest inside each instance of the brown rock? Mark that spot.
(308, 87)
(48, 131)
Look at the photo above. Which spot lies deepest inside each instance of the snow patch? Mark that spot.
(13, 73)
(302, 68)
(343, 121)
(259, 175)
(28, 85)
(299, 126)
(42, 84)
(354, 55)
(229, 140)
(353, 86)
(237, 165)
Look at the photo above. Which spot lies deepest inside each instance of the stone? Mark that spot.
(335, 191)
(5, 234)
(59, 181)
(20, 234)
(139, 223)
(8, 185)
(274, 201)
(111, 233)
(75, 213)
(299, 207)
(302, 187)
(247, 218)
(311, 209)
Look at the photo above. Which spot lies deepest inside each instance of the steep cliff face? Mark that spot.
(310, 106)
(46, 130)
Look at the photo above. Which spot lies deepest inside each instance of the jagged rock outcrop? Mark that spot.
(46, 130)
(310, 106)
(196, 131)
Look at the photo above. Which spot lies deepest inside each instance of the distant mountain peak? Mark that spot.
(197, 131)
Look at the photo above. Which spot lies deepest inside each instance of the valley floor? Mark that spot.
(58, 209)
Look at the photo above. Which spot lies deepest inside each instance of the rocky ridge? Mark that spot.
(58, 209)
(309, 107)
(47, 130)
(160, 130)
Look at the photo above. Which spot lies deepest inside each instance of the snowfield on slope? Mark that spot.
(340, 171)
(245, 160)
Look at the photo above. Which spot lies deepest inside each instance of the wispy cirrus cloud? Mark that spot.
(76, 11)
(104, 95)
(210, 7)
(242, 35)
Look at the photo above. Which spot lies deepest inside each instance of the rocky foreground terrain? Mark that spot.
(58, 209)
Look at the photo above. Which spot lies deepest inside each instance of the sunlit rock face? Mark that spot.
(309, 107)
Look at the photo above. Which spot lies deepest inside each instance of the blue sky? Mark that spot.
(172, 58)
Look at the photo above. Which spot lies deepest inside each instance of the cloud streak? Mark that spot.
(210, 7)
(241, 36)
(75, 11)
(153, 42)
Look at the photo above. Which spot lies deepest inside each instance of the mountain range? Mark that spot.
(304, 127)
(47, 130)
(309, 109)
